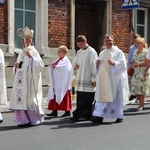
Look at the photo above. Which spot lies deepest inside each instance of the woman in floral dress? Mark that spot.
(139, 84)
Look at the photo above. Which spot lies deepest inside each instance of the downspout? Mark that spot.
(109, 16)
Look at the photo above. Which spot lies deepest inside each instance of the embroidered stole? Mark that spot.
(106, 93)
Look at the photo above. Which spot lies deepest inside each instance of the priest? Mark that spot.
(111, 84)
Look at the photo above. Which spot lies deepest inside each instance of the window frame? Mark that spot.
(24, 10)
(145, 21)
(41, 26)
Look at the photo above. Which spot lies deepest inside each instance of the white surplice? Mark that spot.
(3, 93)
(60, 78)
(112, 88)
(86, 74)
(27, 86)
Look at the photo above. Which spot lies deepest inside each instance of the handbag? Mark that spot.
(130, 71)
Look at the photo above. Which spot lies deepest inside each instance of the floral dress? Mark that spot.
(139, 84)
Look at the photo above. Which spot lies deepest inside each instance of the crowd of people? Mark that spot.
(102, 82)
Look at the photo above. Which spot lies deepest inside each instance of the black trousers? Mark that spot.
(84, 105)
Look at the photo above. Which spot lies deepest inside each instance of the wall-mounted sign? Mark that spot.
(130, 4)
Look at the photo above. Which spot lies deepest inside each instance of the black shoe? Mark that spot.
(86, 115)
(20, 125)
(52, 114)
(132, 97)
(73, 119)
(66, 114)
(118, 120)
(96, 120)
(1, 121)
(25, 125)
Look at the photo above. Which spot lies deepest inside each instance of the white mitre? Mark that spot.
(28, 34)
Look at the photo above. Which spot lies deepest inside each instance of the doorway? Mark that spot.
(90, 21)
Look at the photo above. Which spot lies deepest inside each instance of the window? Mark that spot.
(31, 13)
(140, 25)
(25, 14)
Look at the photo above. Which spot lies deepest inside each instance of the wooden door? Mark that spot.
(87, 22)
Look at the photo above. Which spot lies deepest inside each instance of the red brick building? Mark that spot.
(68, 18)
(58, 22)
(120, 21)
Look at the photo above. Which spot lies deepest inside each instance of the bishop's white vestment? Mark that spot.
(27, 86)
(111, 85)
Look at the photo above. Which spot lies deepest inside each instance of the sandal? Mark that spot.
(140, 108)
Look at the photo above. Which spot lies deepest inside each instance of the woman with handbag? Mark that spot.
(139, 84)
(130, 70)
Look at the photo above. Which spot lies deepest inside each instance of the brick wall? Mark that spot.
(59, 23)
(121, 26)
(3, 23)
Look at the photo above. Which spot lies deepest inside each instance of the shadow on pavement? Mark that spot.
(66, 123)
(7, 128)
(133, 111)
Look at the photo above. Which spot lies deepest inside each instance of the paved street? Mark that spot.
(61, 134)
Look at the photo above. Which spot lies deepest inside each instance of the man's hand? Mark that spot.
(97, 63)
(16, 65)
(28, 54)
(76, 67)
(94, 84)
(111, 62)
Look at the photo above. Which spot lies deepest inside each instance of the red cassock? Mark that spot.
(64, 105)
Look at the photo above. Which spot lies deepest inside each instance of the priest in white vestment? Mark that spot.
(85, 68)
(26, 96)
(3, 93)
(60, 76)
(111, 84)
